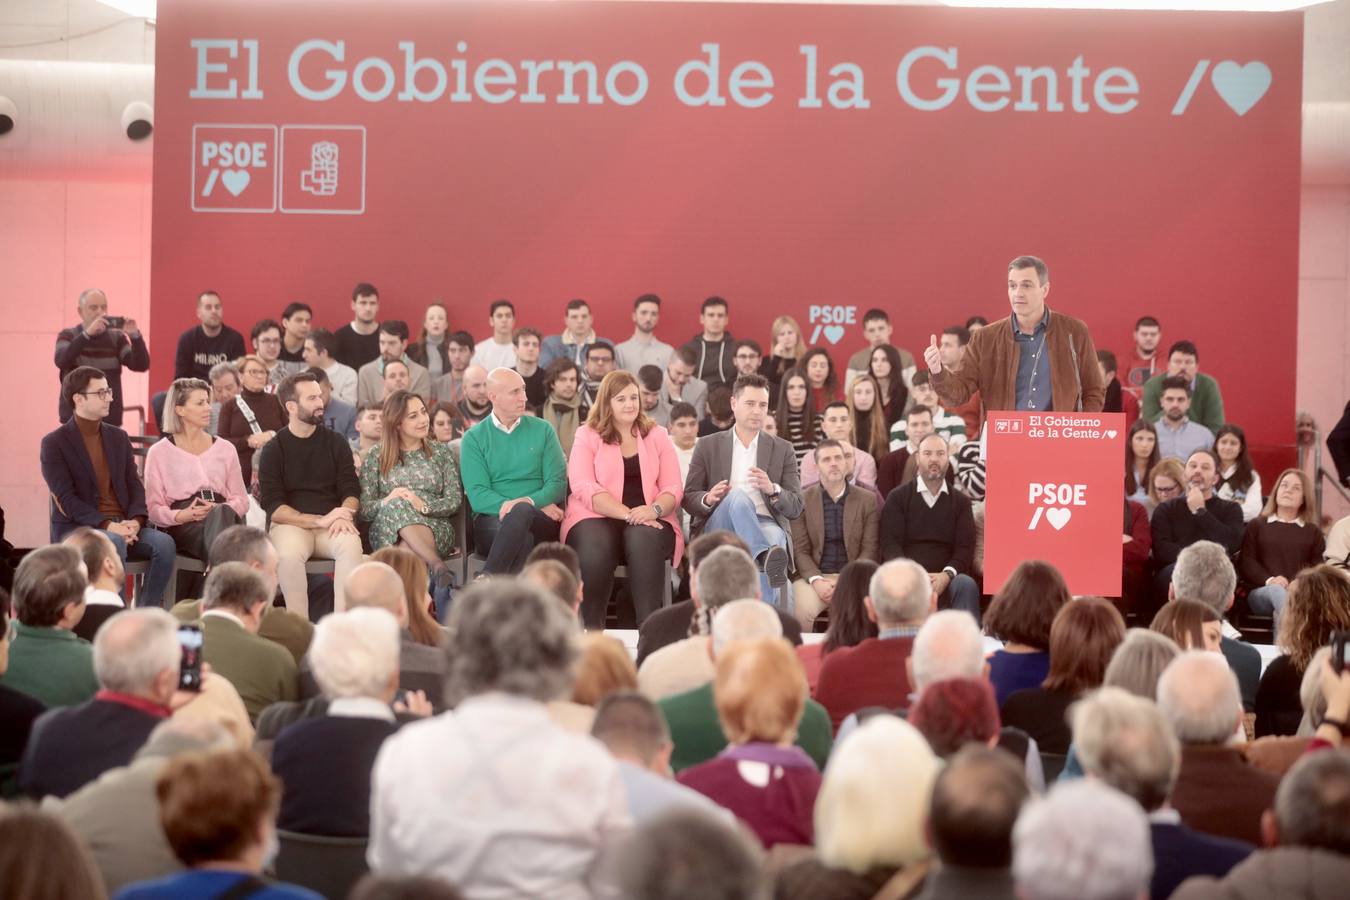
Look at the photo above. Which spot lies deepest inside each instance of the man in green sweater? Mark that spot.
(46, 659)
(232, 609)
(515, 477)
(1206, 400)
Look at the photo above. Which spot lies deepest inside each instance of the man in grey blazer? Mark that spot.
(745, 481)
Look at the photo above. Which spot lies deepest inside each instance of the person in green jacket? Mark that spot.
(1206, 400)
(47, 660)
(515, 477)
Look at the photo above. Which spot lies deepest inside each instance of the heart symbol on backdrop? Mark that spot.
(1058, 516)
(235, 180)
(834, 333)
(1112, 434)
(1241, 86)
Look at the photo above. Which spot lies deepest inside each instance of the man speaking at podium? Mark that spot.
(1032, 360)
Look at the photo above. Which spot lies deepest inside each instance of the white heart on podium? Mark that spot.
(235, 180)
(1241, 86)
(1058, 516)
(1111, 434)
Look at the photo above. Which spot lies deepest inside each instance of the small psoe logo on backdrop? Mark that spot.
(830, 322)
(323, 169)
(234, 168)
(1241, 86)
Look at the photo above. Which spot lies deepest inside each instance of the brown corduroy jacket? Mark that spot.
(990, 367)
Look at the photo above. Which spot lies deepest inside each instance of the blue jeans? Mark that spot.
(736, 513)
(962, 593)
(1269, 600)
(157, 547)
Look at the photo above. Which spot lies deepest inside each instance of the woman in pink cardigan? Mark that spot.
(626, 492)
(194, 489)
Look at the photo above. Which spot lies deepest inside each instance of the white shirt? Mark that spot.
(634, 353)
(743, 459)
(343, 379)
(99, 597)
(360, 708)
(500, 427)
(928, 496)
(491, 355)
(498, 800)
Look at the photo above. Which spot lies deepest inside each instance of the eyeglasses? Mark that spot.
(1166, 491)
(105, 394)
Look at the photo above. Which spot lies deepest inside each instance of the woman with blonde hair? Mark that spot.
(413, 573)
(605, 667)
(786, 349)
(1279, 543)
(410, 488)
(1166, 480)
(1318, 606)
(626, 490)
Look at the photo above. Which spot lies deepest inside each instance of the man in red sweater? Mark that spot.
(874, 673)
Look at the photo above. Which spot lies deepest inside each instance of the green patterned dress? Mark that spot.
(434, 480)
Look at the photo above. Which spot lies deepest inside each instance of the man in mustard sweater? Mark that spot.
(515, 477)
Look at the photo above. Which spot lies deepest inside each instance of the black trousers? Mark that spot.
(506, 542)
(603, 545)
(195, 538)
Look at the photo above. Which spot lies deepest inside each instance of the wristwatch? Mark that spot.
(656, 507)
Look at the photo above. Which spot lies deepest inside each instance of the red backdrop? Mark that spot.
(1185, 210)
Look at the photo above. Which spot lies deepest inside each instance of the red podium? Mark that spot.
(1055, 491)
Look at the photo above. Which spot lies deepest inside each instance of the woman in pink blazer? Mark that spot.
(626, 492)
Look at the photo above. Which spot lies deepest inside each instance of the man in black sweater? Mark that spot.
(136, 658)
(1199, 516)
(310, 493)
(358, 342)
(209, 343)
(927, 522)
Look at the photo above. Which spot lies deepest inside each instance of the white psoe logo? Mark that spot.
(1052, 502)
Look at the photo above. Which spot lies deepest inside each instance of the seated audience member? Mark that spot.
(511, 651)
(1190, 624)
(714, 346)
(869, 818)
(849, 624)
(692, 715)
(555, 578)
(745, 481)
(410, 489)
(859, 466)
(933, 525)
(871, 428)
(952, 351)
(795, 415)
(1304, 833)
(1199, 515)
(1238, 480)
(1281, 542)
(46, 659)
(136, 660)
(901, 465)
(90, 471)
(1183, 364)
(358, 342)
(604, 668)
(636, 735)
(415, 616)
(194, 489)
(474, 406)
(1319, 606)
(431, 351)
(649, 387)
(207, 344)
(838, 525)
(771, 785)
(1021, 617)
(683, 430)
(1141, 455)
(576, 338)
(1117, 399)
(40, 859)
(874, 672)
(1204, 573)
(625, 492)
(1338, 545)
(598, 362)
(295, 321)
(102, 599)
(1082, 841)
(1166, 481)
(893, 380)
(786, 349)
(370, 380)
(1082, 638)
(369, 431)
(1178, 435)
(680, 386)
(746, 355)
(498, 351)
(320, 347)
(821, 379)
(1141, 362)
(643, 348)
(225, 386)
(878, 331)
(693, 617)
(445, 423)
(218, 809)
(338, 415)
(309, 490)
(117, 816)
(922, 393)
(527, 367)
(1218, 791)
(1125, 741)
(253, 417)
(562, 408)
(232, 610)
(449, 387)
(1136, 549)
(955, 712)
(684, 853)
(719, 416)
(515, 477)
(324, 762)
(976, 800)
(17, 710)
(396, 377)
(265, 338)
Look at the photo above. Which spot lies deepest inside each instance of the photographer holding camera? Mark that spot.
(106, 343)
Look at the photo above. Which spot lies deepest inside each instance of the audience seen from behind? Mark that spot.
(40, 859)
(1318, 605)
(47, 661)
(1021, 616)
(849, 624)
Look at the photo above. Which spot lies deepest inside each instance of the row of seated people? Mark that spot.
(150, 792)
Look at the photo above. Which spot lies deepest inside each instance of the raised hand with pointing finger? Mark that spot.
(932, 356)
